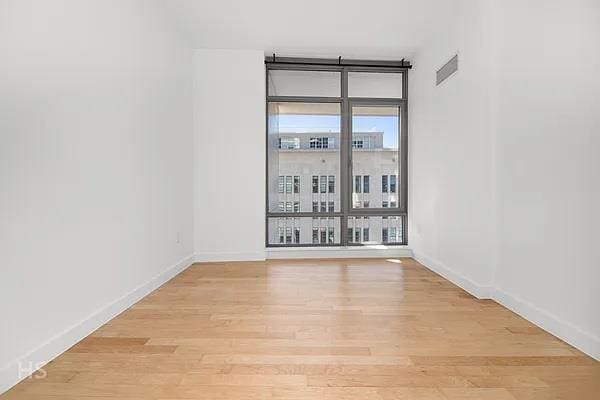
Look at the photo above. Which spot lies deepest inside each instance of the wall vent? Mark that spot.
(447, 70)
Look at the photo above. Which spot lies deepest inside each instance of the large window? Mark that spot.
(341, 128)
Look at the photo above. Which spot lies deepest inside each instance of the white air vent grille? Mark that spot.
(447, 70)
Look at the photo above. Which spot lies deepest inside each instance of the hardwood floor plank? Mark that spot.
(244, 380)
(477, 394)
(295, 359)
(276, 350)
(415, 379)
(122, 349)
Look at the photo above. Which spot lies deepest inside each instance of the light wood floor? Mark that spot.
(300, 330)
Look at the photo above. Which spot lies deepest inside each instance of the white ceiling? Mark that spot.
(382, 29)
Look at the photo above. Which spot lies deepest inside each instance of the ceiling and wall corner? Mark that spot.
(379, 29)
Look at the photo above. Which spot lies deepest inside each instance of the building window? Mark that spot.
(392, 183)
(323, 185)
(357, 184)
(289, 143)
(305, 136)
(389, 183)
(392, 233)
(323, 235)
(322, 143)
(384, 235)
(361, 142)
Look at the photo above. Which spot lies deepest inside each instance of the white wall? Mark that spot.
(548, 145)
(98, 156)
(229, 155)
(95, 167)
(450, 157)
(504, 167)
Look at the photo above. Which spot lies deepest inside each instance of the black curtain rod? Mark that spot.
(339, 62)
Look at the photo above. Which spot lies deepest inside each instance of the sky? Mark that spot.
(331, 123)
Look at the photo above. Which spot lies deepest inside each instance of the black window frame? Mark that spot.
(345, 146)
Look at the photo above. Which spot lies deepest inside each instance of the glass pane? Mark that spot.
(306, 230)
(304, 176)
(304, 83)
(375, 84)
(375, 156)
(375, 230)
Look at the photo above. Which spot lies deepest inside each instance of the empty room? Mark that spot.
(338, 200)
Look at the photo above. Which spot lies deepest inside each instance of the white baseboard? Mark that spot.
(375, 251)
(306, 252)
(38, 357)
(474, 288)
(564, 330)
(229, 256)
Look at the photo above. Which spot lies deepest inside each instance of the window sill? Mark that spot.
(367, 251)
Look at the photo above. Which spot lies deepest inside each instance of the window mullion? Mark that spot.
(345, 176)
